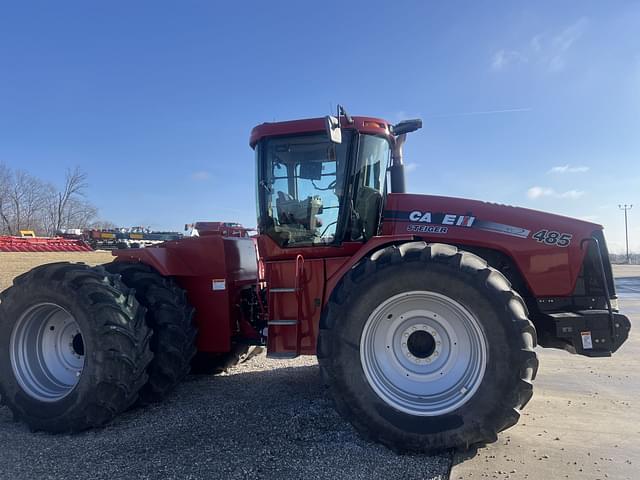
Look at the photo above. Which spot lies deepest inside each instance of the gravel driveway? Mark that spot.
(264, 419)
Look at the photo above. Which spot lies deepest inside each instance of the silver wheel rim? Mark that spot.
(47, 352)
(423, 353)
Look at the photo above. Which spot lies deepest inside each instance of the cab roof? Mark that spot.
(370, 125)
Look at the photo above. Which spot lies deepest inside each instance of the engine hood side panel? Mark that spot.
(545, 247)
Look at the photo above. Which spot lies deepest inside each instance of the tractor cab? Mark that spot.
(319, 188)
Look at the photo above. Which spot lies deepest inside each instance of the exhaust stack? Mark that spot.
(396, 171)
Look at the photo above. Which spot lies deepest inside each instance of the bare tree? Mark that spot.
(63, 206)
(28, 203)
(5, 187)
(79, 214)
(26, 197)
(22, 201)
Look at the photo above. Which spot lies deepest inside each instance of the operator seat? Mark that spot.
(298, 218)
(285, 206)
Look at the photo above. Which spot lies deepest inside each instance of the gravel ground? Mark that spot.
(263, 419)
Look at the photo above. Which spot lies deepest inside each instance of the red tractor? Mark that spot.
(423, 311)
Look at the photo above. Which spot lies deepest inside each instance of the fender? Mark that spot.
(213, 270)
(378, 243)
(545, 247)
(374, 244)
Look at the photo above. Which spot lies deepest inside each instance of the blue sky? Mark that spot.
(155, 100)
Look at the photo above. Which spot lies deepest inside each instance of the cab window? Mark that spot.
(301, 189)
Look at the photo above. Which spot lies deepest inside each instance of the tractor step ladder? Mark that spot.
(291, 325)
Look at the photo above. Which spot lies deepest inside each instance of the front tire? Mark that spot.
(74, 347)
(425, 347)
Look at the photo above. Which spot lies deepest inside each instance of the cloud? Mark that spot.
(540, 192)
(200, 176)
(537, 192)
(568, 169)
(410, 167)
(572, 194)
(547, 49)
(558, 45)
(503, 58)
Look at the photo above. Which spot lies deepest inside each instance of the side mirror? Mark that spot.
(406, 126)
(332, 125)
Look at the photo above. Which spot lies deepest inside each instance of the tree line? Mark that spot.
(30, 203)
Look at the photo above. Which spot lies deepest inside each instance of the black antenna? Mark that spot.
(341, 110)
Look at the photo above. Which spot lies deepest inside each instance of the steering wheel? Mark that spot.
(331, 186)
(327, 228)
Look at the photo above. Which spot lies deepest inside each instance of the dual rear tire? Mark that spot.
(170, 318)
(81, 344)
(75, 347)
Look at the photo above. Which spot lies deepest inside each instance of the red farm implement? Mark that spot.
(42, 244)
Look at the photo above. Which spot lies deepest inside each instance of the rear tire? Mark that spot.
(170, 317)
(425, 347)
(74, 347)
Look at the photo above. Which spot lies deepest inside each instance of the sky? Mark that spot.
(534, 104)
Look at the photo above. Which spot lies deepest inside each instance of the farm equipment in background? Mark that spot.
(121, 238)
(424, 311)
(31, 243)
(226, 229)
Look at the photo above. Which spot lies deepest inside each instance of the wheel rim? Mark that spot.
(423, 353)
(47, 352)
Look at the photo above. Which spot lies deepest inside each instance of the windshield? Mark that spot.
(302, 188)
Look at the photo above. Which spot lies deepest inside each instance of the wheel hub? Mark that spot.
(47, 352)
(423, 353)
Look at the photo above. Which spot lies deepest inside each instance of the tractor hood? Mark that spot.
(544, 245)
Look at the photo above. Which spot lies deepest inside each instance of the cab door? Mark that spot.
(300, 195)
(295, 289)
